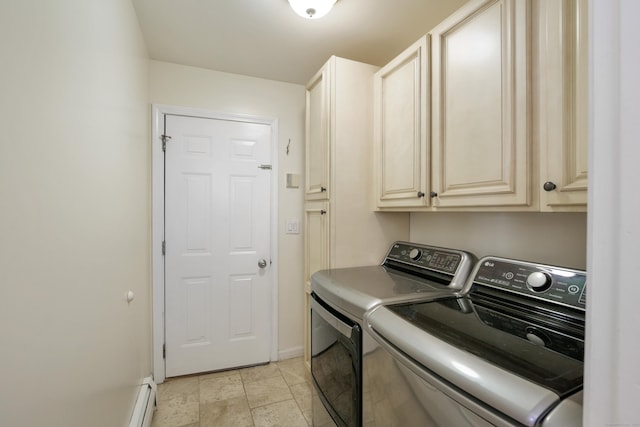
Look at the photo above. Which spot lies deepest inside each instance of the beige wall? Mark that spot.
(74, 215)
(178, 85)
(548, 238)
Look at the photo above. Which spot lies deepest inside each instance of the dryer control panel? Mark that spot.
(438, 259)
(555, 284)
(450, 267)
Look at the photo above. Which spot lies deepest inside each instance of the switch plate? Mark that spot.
(293, 226)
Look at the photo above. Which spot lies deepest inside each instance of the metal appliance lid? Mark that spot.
(410, 271)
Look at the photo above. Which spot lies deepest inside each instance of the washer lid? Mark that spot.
(484, 353)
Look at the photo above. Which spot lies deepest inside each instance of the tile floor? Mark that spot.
(277, 394)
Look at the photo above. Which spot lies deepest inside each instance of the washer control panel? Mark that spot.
(421, 256)
(556, 284)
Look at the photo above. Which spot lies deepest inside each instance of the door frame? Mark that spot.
(157, 224)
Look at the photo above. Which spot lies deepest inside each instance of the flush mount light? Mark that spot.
(311, 9)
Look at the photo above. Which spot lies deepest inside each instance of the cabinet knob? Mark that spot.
(322, 212)
(420, 194)
(433, 194)
(549, 186)
(323, 189)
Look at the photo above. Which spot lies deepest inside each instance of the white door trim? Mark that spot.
(157, 204)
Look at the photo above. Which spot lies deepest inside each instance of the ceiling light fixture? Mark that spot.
(311, 9)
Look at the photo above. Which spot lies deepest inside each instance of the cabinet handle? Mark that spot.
(433, 194)
(549, 186)
(323, 189)
(322, 212)
(420, 194)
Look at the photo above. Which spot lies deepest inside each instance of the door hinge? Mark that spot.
(164, 247)
(164, 141)
(164, 351)
(268, 167)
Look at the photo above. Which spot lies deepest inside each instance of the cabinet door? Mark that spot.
(562, 56)
(317, 137)
(400, 129)
(480, 109)
(316, 232)
(316, 257)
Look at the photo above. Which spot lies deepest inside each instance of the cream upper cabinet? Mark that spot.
(401, 133)
(562, 104)
(317, 136)
(481, 152)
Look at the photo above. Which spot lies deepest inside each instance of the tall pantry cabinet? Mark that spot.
(341, 227)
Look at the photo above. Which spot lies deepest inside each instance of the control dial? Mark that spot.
(415, 254)
(539, 281)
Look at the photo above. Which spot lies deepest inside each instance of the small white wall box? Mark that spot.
(293, 180)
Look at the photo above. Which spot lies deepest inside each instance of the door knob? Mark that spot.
(262, 263)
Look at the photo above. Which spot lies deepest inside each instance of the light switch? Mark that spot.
(293, 226)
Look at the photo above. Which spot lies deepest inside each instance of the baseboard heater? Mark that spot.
(145, 404)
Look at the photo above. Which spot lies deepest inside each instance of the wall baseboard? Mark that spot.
(145, 404)
(290, 353)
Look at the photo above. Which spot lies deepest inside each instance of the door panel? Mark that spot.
(317, 238)
(317, 137)
(401, 130)
(217, 228)
(480, 106)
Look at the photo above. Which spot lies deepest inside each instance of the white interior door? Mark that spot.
(217, 232)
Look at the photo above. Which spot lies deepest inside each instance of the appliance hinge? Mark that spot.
(164, 141)
(268, 167)
(164, 351)
(164, 247)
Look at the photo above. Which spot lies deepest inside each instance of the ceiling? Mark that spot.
(265, 38)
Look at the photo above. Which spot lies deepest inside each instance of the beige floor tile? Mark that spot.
(177, 412)
(219, 388)
(257, 373)
(265, 392)
(294, 371)
(175, 387)
(302, 394)
(231, 412)
(276, 394)
(281, 414)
